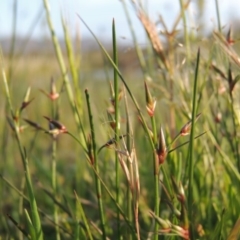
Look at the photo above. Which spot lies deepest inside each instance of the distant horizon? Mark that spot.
(99, 18)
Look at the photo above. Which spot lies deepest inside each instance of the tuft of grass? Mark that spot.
(156, 158)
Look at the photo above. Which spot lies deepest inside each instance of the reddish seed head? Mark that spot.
(151, 108)
(56, 127)
(25, 104)
(161, 157)
(53, 91)
(33, 124)
(186, 128)
(151, 103)
(53, 94)
(218, 117)
(229, 39)
(162, 149)
(184, 233)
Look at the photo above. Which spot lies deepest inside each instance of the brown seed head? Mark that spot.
(162, 149)
(186, 128)
(151, 103)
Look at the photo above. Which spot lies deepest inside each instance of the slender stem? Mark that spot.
(190, 173)
(218, 16)
(156, 179)
(54, 187)
(97, 181)
(117, 125)
(82, 214)
(61, 64)
(156, 200)
(23, 181)
(114, 201)
(129, 165)
(54, 176)
(33, 204)
(73, 67)
(236, 140)
(153, 122)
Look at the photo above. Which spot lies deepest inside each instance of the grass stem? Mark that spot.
(117, 124)
(191, 148)
(97, 181)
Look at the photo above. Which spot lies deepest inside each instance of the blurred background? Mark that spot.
(31, 21)
(24, 31)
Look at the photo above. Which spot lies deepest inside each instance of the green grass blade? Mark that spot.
(191, 147)
(61, 61)
(117, 128)
(97, 181)
(218, 16)
(83, 216)
(30, 225)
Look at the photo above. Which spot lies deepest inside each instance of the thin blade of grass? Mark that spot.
(97, 182)
(117, 127)
(191, 147)
(83, 216)
(235, 232)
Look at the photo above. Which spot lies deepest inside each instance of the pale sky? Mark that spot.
(99, 14)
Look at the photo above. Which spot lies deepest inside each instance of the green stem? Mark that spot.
(156, 200)
(117, 125)
(54, 187)
(114, 201)
(61, 64)
(235, 133)
(21, 204)
(82, 214)
(190, 160)
(156, 179)
(97, 181)
(129, 165)
(54, 176)
(218, 16)
(33, 204)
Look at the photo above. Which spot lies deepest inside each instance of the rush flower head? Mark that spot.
(218, 117)
(55, 127)
(180, 231)
(229, 39)
(151, 103)
(34, 125)
(111, 120)
(186, 128)
(53, 94)
(179, 190)
(26, 100)
(162, 149)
